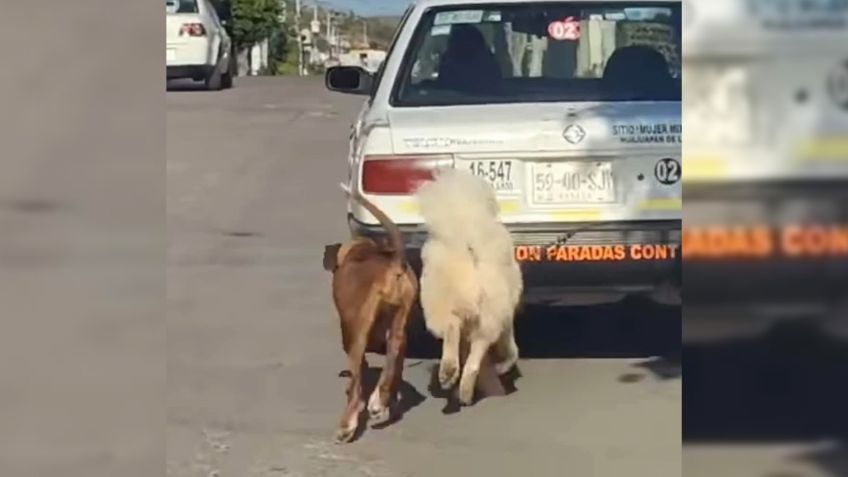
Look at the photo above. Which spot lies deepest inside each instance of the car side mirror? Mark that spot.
(349, 80)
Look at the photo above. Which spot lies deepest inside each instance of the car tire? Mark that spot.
(213, 81)
(230, 73)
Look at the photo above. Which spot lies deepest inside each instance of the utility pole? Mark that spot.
(314, 32)
(329, 32)
(328, 23)
(299, 39)
(365, 34)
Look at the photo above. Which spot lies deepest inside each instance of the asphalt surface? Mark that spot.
(82, 200)
(254, 351)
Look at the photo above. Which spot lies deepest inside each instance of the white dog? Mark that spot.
(471, 283)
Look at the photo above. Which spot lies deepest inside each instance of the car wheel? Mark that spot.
(214, 81)
(227, 80)
(230, 73)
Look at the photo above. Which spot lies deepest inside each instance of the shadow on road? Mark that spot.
(787, 386)
(186, 86)
(832, 459)
(632, 328)
(790, 384)
(409, 397)
(452, 404)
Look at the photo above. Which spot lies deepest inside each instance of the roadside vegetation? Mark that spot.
(250, 22)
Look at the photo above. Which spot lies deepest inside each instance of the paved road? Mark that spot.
(254, 348)
(81, 213)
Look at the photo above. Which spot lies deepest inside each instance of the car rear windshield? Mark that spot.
(181, 6)
(538, 52)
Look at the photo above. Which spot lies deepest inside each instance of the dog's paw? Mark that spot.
(350, 424)
(379, 415)
(377, 411)
(466, 391)
(347, 430)
(505, 366)
(345, 434)
(448, 373)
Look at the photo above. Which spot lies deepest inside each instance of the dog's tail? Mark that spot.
(461, 206)
(395, 236)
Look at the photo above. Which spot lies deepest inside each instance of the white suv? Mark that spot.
(570, 109)
(197, 45)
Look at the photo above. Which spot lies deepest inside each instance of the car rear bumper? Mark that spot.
(799, 268)
(614, 256)
(193, 51)
(197, 72)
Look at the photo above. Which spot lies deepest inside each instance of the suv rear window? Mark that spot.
(537, 52)
(181, 6)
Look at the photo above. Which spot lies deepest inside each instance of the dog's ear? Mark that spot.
(331, 256)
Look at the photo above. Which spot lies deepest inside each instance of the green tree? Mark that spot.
(282, 52)
(254, 21)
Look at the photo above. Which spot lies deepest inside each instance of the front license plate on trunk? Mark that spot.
(499, 173)
(564, 183)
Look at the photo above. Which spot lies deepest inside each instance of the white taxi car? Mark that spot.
(570, 109)
(197, 44)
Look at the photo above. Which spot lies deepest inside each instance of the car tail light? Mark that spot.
(193, 29)
(400, 174)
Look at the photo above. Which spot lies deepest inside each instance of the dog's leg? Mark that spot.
(506, 350)
(478, 349)
(350, 418)
(380, 400)
(356, 357)
(449, 364)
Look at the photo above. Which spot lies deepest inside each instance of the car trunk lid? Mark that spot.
(607, 156)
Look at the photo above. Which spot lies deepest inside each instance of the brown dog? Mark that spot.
(374, 289)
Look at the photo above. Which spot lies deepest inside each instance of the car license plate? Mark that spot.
(563, 183)
(499, 173)
(170, 54)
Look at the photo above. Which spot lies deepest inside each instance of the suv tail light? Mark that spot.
(192, 29)
(400, 174)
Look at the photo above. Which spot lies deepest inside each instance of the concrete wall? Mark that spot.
(252, 60)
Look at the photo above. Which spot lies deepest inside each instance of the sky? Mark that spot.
(368, 7)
